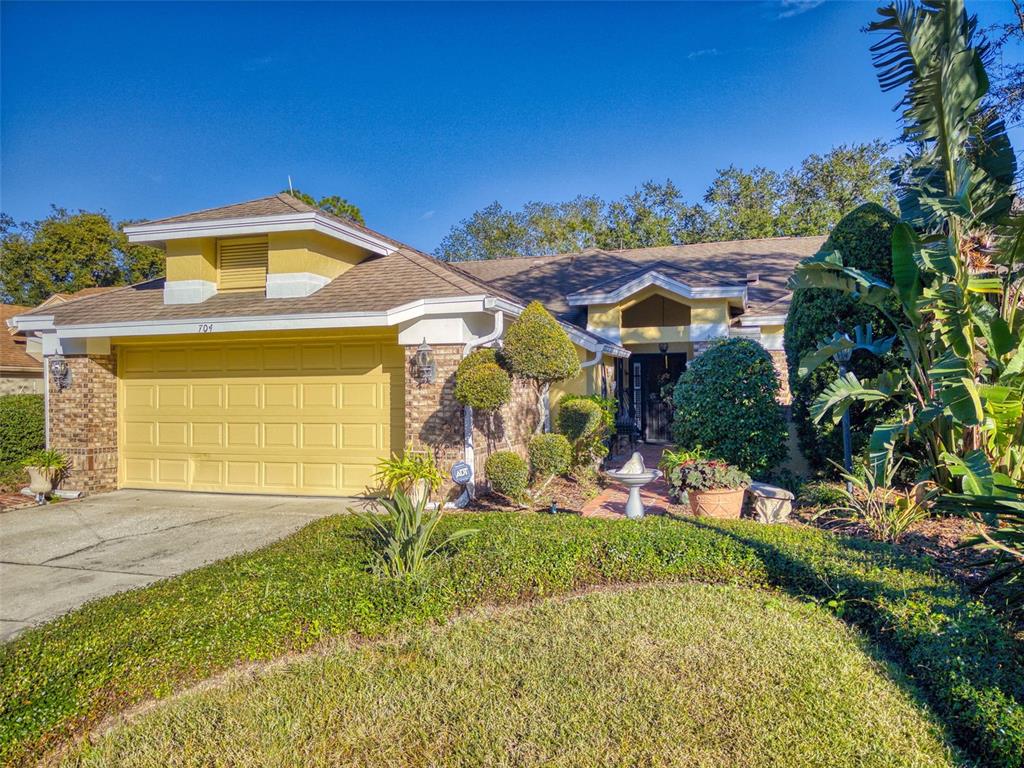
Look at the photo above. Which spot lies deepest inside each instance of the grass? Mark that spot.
(66, 676)
(686, 675)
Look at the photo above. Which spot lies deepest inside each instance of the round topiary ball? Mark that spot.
(481, 383)
(508, 474)
(536, 347)
(579, 418)
(726, 403)
(550, 455)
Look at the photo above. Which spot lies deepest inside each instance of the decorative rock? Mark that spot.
(770, 504)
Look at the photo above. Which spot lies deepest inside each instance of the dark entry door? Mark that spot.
(655, 372)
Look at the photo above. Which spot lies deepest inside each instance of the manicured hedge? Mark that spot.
(726, 402)
(22, 427)
(550, 455)
(508, 473)
(317, 583)
(863, 238)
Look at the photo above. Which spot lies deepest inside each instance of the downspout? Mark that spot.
(467, 411)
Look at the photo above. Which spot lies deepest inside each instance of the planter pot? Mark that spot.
(723, 503)
(420, 490)
(40, 480)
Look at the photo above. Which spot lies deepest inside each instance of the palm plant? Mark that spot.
(957, 261)
(405, 532)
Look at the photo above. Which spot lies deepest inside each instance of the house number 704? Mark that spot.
(205, 327)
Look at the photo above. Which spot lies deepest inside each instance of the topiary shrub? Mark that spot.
(863, 238)
(508, 474)
(726, 402)
(550, 455)
(22, 427)
(537, 348)
(586, 421)
(481, 383)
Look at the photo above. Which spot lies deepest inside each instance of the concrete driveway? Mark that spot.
(54, 558)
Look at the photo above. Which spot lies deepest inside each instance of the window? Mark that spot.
(242, 264)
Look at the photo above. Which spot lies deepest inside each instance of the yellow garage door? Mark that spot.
(290, 415)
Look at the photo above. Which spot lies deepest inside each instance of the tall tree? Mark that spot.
(744, 204)
(66, 252)
(490, 233)
(655, 214)
(827, 187)
(332, 204)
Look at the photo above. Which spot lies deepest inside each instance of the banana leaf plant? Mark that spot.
(957, 257)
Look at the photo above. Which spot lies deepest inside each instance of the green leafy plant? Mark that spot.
(726, 401)
(51, 460)
(887, 512)
(821, 494)
(587, 422)
(1000, 520)
(22, 426)
(673, 457)
(953, 303)
(550, 456)
(863, 236)
(509, 475)
(704, 475)
(537, 348)
(405, 532)
(403, 471)
(481, 383)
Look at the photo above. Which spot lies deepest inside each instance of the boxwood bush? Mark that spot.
(118, 651)
(508, 473)
(863, 238)
(550, 455)
(481, 383)
(22, 427)
(726, 402)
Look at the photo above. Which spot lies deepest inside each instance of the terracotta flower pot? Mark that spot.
(723, 503)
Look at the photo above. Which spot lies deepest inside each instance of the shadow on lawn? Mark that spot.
(951, 655)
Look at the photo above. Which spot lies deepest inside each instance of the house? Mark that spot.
(289, 350)
(20, 372)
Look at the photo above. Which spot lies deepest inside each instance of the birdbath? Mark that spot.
(634, 475)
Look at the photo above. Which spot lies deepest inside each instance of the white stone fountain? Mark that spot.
(634, 475)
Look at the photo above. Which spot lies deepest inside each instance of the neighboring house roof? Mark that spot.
(13, 357)
(63, 298)
(552, 279)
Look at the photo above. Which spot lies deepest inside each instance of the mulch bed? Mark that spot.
(570, 495)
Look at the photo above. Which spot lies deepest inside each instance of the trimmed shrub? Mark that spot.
(481, 383)
(536, 347)
(726, 403)
(508, 474)
(863, 238)
(22, 427)
(587, 421)
(550, 455)
(578, 418)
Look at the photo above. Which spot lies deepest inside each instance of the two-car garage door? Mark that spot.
(299, 415)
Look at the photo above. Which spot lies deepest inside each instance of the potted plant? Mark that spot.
(714, 488)
(413, 472)
(45, 469)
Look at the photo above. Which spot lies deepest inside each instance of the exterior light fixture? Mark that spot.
(60, 374)
(425, 369)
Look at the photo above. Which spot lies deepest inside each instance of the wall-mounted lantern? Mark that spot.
(424, 367)
(60, 373)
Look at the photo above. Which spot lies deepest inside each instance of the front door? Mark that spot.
(652, 372)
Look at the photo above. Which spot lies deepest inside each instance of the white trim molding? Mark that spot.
(188, 291)
(259, 225)
(655, 278)
(757, 320)
(291, 285)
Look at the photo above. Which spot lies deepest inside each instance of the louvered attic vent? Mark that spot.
(242, 264)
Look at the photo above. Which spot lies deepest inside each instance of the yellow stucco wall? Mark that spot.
(588, 382)
(196, 258)
(702, 312)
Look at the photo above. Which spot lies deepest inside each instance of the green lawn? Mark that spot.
(687, 675)
(63, 678)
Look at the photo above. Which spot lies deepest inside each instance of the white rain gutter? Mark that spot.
(467, 411)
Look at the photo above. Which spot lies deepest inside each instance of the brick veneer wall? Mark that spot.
(434, 419)
(83, 422)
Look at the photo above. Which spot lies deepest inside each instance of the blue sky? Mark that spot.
(419, 113)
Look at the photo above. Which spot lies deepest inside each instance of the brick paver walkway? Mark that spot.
(611, 502)
(14, 501)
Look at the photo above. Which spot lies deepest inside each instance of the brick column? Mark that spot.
(83, 422)
(779, 359)
(433, 417)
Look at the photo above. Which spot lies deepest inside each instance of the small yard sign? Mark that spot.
(462, 473)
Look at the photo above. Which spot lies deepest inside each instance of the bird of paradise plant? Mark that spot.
(955, 300)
